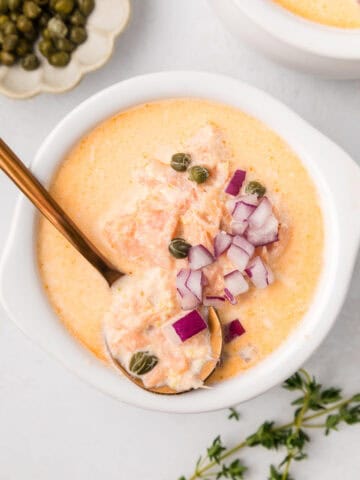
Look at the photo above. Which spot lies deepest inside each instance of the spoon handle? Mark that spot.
(45, 203)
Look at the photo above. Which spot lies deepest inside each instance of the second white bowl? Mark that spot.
(292, 40)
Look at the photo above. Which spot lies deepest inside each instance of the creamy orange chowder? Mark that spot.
(118, 186)
(336, 13)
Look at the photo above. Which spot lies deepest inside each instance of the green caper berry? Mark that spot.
(30, 62)
(77, 19)
(44, 19)
(57, 28)
(78, 35)
(23, 48)
(46, 34)
(14, 16)
(255, 188)
(180, 162)
(31, 10)
(10, 42)
(14, 4)
(64, 7)
(7, 58)
(3, 20)
(3, 6)
(179, 248)
(46, 48)
(59, 59)
(9, 28)
(86, 6)
(198, 174)
(142, 362)
(24, 24)
(32, 35)
(64, 45)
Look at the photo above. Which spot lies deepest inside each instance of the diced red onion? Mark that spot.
(236, 183)
(233, 330)
(230, 296)
(235, 283)
(222, 242)
(259, 273)
(188, 301)
(189, 325)
(214, 301)
(204, 280)
(238, 257)
(249, 199)
(239, 228)
(199, 257)
(194, 283)
(265, 235)
(181, 278)
(261, 214)
(242, 211)
(241, 242)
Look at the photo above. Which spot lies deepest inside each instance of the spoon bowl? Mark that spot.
(216, 341)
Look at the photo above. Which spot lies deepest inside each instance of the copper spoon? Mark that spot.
(46, 204)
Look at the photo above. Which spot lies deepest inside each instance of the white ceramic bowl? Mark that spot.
(292, 40)
(106, 22)
(335, 174)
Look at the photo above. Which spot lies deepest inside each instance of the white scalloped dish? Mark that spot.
(107, 21)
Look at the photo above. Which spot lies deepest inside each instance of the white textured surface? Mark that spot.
(54, 426)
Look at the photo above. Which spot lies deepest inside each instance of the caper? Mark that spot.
(57, 28)
(10, 42)
(3, 20)
(44, 19)
(255, 188)
(64, 45)
(77, 19)
(23, 47)
(9, 28)
(14, 16)
(32, 35)
(86, 6)
(142, 362)
(24, 24)
(180, 162)
(41, 2)
(14, 4)
(59, 59)
(78, 35)
(64, 7)
(31, 10)
(179, 248)
(7, 58)
(3, 6)
(46, 48)
(198, 174)
(30, 62)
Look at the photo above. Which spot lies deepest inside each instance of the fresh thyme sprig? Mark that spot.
(315, 403)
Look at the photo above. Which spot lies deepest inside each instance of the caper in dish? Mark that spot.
(32, 31)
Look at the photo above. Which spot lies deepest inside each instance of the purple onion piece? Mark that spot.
(233, 330)
(235, 183)
(189, 325)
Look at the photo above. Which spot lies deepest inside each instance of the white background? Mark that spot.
(52, 426)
